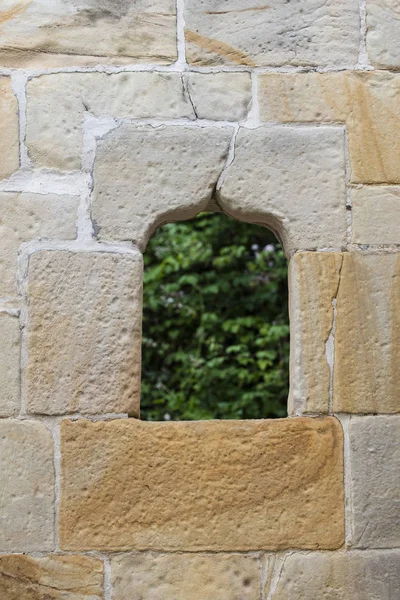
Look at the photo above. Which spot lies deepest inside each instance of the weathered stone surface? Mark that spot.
(9, 129)
(84, 333)
(314, 279)
(220, 96)
(55, 33)
(27, 473)
(339, 576)
(146, 176)
(252, 33)
(368, 102)
(51, 578)
(10, 360)
(376, 215)
(383, 33)
(375, 468)
(291, 179)
(26, 217)
(57, 104)
(367, 338)
(196, 576)
(206, 485)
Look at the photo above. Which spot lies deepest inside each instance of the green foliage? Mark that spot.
(215, 330)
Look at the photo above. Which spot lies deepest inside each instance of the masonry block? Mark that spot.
(375, 214)
(25, 217)
(258, 34)
(220, 96)
(9, 129)
(84, 332)
(375, 467)
(10, 361)
(195, 576)
(211, 485)
(51, 577)
(383, 31)
(367, 338)
(26, 501)
(58, 33)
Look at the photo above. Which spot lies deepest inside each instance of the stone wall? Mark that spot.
(118, 117)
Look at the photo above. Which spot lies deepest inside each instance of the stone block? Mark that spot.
(9, 129)
(152, 576)
(220, 96)
(291, 179)
(367, 102)
(367, 338)
(27, 498)
(57, 33)
(383, 33)
(25, 217)
(57, 104)
(10, 360)
(146, 176)
(50, 577)
(84, 333)
(205, 485)
(375, 488)
(376, 215)
(314, 279)
(338, 576)
(253, 33)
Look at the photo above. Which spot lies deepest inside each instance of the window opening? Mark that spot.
(215, 322)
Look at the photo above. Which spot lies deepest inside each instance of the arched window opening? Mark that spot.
(215, 322)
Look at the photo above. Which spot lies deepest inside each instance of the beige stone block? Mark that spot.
(25, 217)
(376, 215)
(10, 359)
(337, 576)
(147, 176)
(220, 96)
(9, 129)
(152, 576)
(291, 179)
(51, 577)
(367, 102)
(57, 33)
(375, 490)
(314, 279)
(84, 333)
(27, 473)
(57, 104)
(367, 337)
(256, 33)
(383, 33)
(205, 485)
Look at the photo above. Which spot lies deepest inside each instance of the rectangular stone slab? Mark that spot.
(205, 485)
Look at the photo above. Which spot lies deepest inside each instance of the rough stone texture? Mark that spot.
(376, 215)
(367, 338)
(205, 485)
(84, 333)
(314, 279)
(368, 102)
(146, 176)
(9, 129)
(383, 33)
(196, 576)
(26, 217)
(372, 575)
(291, 179)
(256, 33)
(56, 33)
(51, 578)
(10, 336)
(375, 468)
(220, 96)
(57, 105)
(27, 493)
